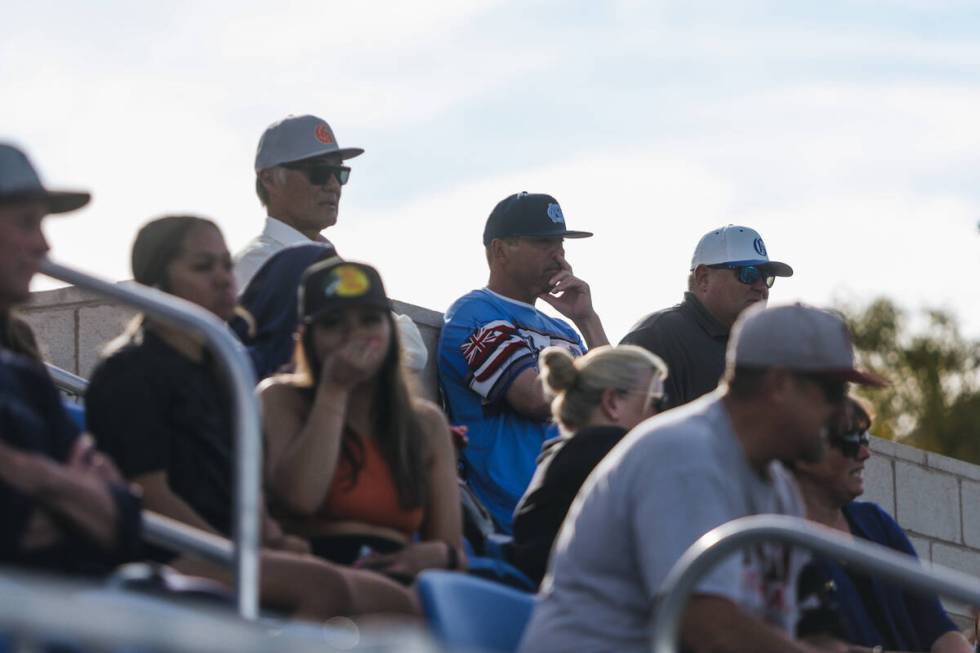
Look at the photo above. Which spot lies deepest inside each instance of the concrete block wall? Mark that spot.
(73, 327)
(936, 499)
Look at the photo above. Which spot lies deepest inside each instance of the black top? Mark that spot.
(692, 343)
(33, 419)
(153, 409)
(563, 466)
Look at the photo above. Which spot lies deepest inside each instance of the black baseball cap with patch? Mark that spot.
(528, 215)
(333, 284)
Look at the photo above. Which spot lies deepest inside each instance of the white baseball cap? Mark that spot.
(735, 245)
(797, 337)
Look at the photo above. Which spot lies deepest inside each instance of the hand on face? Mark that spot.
(354, 362)
(568, 294)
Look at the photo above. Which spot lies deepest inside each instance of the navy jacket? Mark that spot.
(872, 612)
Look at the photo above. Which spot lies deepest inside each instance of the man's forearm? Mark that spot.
(592, 331)
(85, 501)
(716, 625)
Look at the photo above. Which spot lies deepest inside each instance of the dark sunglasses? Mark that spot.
(849, 444)
(833, 389)
(747, 274)
(320, 173)
(658, 402)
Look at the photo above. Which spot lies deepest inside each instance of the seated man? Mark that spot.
(63, 505)
(677, 476)
(730, 271)
(491, 339)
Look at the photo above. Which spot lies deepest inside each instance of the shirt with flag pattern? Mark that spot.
(487, 340)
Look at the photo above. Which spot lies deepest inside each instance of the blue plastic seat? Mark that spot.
(76, 412)
(472, 614)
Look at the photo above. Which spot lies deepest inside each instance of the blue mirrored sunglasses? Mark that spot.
(748, 274)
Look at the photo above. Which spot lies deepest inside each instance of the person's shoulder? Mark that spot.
(665, 320)
(282, 391)
(430, 416)
(475, 302)
(17, 370)
(868, 512)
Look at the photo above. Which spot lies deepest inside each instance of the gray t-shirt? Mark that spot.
(672, 479)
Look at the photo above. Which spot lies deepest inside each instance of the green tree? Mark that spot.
(933, 401)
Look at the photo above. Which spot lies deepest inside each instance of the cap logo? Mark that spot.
(347, 281)
(554, 212)
(323, 135)
(760, 247)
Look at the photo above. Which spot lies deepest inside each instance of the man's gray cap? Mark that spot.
(19, 182)
(295, 138)
(798, 337)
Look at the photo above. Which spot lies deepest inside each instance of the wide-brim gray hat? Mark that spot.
(295, 138)
(19, 182)
(798, 337)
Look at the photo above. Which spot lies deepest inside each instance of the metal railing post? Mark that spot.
(240, 377)
(718, 543)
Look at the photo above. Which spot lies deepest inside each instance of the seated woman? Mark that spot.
(353, 461)
(863, 609)
(159, 406)
(597, 399)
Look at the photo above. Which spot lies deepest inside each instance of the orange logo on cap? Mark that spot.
(323, 135)
(350, 282)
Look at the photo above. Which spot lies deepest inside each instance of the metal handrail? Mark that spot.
(717, 543)
(65, 380)
(176, 535)
(240, 378)
(90, 617)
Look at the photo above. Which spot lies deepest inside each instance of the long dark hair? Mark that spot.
(396, 426)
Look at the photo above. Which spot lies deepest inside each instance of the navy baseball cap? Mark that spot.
(528, 215)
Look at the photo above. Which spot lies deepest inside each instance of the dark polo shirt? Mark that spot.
(690, 341)
(153, 409)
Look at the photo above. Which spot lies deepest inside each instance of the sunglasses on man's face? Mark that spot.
(319, 173)
(850, 444)
(834, 390)
(747, 274)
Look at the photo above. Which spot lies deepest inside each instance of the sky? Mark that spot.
(845, 132)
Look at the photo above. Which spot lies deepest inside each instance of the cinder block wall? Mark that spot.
(936, 499)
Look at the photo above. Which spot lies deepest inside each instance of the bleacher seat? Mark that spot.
(76, 412)
(471, 614)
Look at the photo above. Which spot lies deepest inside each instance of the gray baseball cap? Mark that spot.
(295, 138)
(797, 337)
(19, 182)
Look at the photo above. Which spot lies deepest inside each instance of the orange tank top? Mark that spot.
(373, 499)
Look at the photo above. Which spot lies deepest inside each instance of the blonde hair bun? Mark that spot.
(558, 369)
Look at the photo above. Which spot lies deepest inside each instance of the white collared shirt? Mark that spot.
(276, 235)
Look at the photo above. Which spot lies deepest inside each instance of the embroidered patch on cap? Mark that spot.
(554, 212)
(347, 281)
(323, 135)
